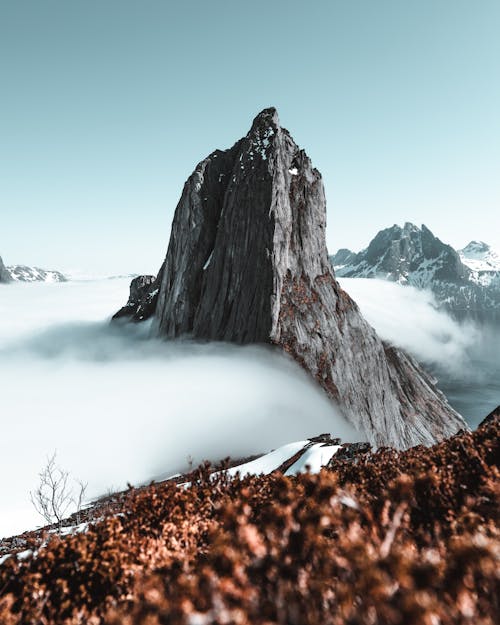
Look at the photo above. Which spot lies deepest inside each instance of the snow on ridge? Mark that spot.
(314, 458)
(67, 530)
(311, 457)
(269, 462)
(23, 273)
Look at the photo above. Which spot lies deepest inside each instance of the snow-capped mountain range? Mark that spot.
(22, 273)
(465, 282)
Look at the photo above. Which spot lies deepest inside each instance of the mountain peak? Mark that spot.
(476, 247)
(396, 253)
(266, 123)
(268, 116)
(247, 263)
(483, 261)
(466, 282)
(409, 227)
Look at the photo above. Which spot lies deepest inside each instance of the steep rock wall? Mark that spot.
(247, 262)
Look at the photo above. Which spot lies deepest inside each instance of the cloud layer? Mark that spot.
(409, 318)
(464, 357)
(120, 407)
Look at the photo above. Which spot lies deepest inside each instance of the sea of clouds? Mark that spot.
(463, 356)
(120, 407)
(409, 318)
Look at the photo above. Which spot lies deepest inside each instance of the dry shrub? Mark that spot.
(406, 538)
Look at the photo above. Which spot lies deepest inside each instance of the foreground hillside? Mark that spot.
(390, 538)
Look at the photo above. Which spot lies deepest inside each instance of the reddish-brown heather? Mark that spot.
(407, 538)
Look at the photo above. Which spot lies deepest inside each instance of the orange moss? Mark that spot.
(408, 538)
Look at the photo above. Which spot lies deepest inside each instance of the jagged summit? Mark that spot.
(409, 227)
(268, 117)
(247, 262)
(395, 253)
(465, 282)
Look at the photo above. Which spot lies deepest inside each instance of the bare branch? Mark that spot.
(54, 495)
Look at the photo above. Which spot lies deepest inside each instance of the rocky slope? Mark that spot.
(465, 282)
(390, 539)
(247, 262)
(142, 299)
(291, 459)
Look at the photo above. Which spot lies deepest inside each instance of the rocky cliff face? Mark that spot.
(247, 262)
(141, 303)
(4, 274)
(465, 282)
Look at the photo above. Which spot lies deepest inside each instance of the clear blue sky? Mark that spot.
(107, 105)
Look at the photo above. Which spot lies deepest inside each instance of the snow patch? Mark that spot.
(24, 555)
(268, 463)
(207, 263)
(483, 261)
(313, 459)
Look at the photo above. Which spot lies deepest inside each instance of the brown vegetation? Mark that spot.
(407, 538)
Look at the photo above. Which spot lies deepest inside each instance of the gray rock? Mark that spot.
(342, 257)
(247, 263)
(141, 303)
(351, 452)
(4, 274)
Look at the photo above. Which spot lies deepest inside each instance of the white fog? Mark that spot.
(119, 407)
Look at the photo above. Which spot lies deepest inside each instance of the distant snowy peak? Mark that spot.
(408, 255)
(476, 249)
(480, 257)
(22, 273)
(465, 282)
